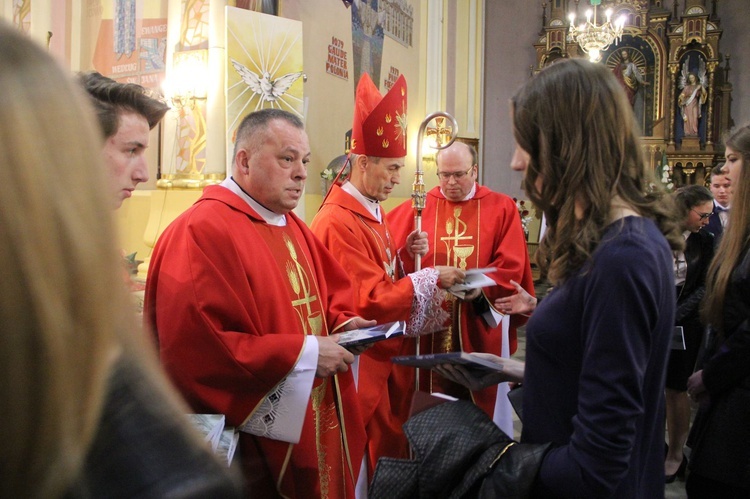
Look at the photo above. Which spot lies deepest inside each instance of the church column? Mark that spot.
(194, 91)
(710, 110)
(434, 62)
(217, 162)
(672, 102)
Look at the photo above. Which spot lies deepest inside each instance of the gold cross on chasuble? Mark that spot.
(457, 234)
(298, 278)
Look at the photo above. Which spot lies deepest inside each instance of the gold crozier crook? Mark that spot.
(443, 136)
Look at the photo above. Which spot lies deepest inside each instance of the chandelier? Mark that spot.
(594, 38)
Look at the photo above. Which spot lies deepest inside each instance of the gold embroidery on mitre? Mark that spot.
(354, 143)
(403, 91)
(379, 131)
(388, 118)
(386, 143)
(400, 127)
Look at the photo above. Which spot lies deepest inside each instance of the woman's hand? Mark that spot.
(696, 389)
(519, 303)
(511, 370)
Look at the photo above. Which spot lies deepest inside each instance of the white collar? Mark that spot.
(372, 205)
(271, 218)
(719, 205)
(469, 196)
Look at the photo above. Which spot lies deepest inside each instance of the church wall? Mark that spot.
(511, 27)
(330, 99)
(736, 42)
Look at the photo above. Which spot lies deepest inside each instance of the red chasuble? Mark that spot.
(366, 249)
(484, 231)
(231, 299)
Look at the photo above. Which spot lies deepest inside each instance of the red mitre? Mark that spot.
(379, 127)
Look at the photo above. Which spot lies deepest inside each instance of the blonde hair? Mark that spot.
(736, 236)
(65, 314)
(576, 124)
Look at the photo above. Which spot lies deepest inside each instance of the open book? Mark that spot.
(472, 362)
(357, 337)
(222, 439)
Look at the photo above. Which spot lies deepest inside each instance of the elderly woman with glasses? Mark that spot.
(695, 204)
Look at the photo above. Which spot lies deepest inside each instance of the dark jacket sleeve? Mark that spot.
(143, 450)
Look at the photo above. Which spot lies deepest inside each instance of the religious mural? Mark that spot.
(367, 37)
(398, 21)
(190, 56)
(22, 15)
(131, 41)
(194, 28)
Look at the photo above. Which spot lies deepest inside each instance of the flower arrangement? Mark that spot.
(666, 177)
(328, 174)
(523, 212)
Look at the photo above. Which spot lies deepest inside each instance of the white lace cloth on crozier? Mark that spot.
(427, 314)
(263, 421)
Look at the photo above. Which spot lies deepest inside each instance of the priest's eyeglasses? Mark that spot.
(446, 176)
(703, 216)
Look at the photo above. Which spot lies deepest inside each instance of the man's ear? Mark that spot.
(242, 161)
(362, 162)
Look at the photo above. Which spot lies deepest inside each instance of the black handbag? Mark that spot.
(457, 447)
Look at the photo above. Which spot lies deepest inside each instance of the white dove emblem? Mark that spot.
(268, 89)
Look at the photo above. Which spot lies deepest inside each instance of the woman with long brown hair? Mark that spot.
(720, 438)
(597, 345)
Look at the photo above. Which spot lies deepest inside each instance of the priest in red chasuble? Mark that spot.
(351, 223)
(470, 226)
(244, 300)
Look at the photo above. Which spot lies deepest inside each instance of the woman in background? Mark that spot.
(86, 412)
(720, 438)
(695, 205)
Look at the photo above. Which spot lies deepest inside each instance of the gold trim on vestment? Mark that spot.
(344, 440)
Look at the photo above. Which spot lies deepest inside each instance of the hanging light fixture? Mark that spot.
(594, 38)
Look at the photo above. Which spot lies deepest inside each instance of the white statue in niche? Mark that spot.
(692, 96)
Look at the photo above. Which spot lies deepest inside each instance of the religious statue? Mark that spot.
(692, 96)
(632, 80)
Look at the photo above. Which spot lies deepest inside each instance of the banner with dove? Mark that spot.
(264, 66)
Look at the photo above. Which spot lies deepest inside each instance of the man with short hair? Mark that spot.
(471, 227)
(352, 225)
(243, 300)
(720, 188)
(126, 114)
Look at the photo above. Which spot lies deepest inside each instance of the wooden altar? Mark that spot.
(670, 65)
